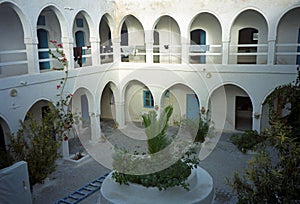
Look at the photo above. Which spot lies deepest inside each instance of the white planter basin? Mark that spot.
(201, 191)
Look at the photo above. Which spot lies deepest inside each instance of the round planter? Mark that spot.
(201, 191)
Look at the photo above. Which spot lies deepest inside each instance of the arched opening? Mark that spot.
(288, 38)
(249, 39)
(247, 36)
(138, 100)
(132, 41)
(42, 35)
(230, 108)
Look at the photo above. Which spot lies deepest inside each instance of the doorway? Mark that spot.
(243, 113)
(198, 37)
(247, 36)
(2, 139)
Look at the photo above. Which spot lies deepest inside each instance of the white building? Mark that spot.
(224, 57)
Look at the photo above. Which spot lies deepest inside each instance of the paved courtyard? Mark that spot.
(224, 160)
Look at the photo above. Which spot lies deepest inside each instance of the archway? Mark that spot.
(138, 100)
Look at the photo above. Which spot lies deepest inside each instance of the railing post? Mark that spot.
(149, 47)
(32, 55)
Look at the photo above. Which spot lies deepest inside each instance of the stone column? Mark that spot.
(271, 52)
(225, 52)
(95, 50)
(32, 55)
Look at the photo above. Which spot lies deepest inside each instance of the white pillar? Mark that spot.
(65, 149)
(95, 50)
(225, 52)
(271, 52)
(120, 113)
(95, 128)
(149, 47)
(32, 55)
(184, 51)
(68, 50)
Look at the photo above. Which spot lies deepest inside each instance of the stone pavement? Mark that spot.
(221, 163)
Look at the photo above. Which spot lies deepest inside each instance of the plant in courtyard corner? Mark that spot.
(37, 141)
(158, 140)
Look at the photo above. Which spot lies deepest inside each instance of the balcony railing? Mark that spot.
(106, 54)
(167, 54)
(205, 54)
(9, 57)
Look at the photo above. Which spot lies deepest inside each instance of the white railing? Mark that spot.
(287, 53)
(106, 54)
(133, 53)
(12, 60)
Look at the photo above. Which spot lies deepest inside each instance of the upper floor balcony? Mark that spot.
(251, 40)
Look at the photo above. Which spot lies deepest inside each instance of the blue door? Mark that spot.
(43, 43)
(298, 48)
(192, 106)
(79, 35)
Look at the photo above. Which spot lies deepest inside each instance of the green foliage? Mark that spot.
(198, 128)
(273, 175)
(156, 129)
(5, 159)
(247, 140)
(34, 143)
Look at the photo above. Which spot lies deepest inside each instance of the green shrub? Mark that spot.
(34, 143)
(247, 140)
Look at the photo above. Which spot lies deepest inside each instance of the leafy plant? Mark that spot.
(247, 140)
(273, 174)
(38, 140)
(157, 140)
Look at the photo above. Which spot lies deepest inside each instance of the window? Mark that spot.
(148, 99)
(79, 22)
